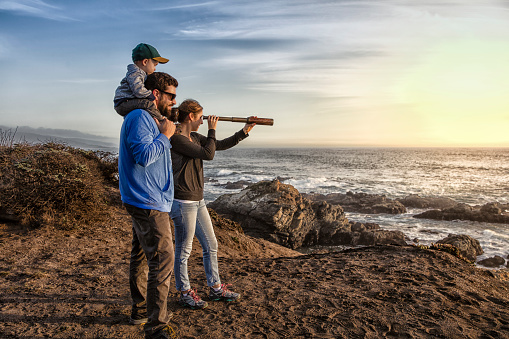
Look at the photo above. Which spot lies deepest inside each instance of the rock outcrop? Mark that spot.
(416, 201)
(279, 213)
(468, 246)
(491, 212)
(356, 233)
(360, 202)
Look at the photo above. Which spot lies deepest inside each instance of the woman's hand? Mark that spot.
(212, 121)
(248, 127)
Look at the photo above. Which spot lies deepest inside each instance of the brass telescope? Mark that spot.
(250, 120)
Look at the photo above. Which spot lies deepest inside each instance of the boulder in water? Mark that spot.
(415, 201)
(236, 185)
(491, 212)
(468, 246)
(492, 262)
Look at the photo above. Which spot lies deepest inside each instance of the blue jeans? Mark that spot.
(192, 219)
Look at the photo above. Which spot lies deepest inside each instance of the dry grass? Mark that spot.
(52, 183)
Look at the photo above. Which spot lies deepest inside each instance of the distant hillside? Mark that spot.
(70, 137)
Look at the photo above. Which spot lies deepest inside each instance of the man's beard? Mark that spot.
(171, 113)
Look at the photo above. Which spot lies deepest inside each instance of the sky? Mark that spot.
(386, 73)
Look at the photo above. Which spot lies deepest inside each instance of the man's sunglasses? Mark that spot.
(172, 95)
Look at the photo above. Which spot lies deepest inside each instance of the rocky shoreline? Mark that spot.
(438, 208)
(277, 212)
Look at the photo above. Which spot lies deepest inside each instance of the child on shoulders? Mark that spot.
(132, 94)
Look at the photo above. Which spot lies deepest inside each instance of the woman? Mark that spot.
(189, 212)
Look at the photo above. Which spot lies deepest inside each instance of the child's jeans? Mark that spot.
(127, 106)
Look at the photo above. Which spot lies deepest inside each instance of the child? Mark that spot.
(132, 94)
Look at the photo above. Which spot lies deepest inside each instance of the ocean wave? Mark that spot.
(223, 173)
(491, 234)
(306, 184)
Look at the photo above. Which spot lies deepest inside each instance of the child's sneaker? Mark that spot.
(192, 300)
(223, 294)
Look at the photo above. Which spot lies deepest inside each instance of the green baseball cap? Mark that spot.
(145, 51)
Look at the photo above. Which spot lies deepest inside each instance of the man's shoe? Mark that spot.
(165, 333)
(138, 318)
(223, 294)
(141, 318)
(192, 300)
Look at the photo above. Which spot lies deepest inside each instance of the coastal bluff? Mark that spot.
(74, 284)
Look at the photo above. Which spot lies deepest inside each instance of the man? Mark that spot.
(146, 187)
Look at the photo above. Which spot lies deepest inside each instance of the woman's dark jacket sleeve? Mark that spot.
(208, 144)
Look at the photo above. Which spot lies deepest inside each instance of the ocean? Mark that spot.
(469, 175)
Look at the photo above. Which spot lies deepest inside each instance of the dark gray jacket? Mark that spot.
(187, 159)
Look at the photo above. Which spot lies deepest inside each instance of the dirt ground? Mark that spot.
(56, 284)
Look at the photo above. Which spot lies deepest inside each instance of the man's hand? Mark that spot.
(248, 127)
(166, 127)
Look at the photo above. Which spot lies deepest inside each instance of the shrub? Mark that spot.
(52, 183)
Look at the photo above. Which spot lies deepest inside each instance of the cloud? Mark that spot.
(187, 6)
(84, 81)
(302, 46)
(35, 8)
(288, 46)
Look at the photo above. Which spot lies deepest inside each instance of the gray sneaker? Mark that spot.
(192, 300)
(223, 294)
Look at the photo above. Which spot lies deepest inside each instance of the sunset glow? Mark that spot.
(459, 93)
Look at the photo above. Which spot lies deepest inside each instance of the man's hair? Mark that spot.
(188, 106)
(159, 81)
